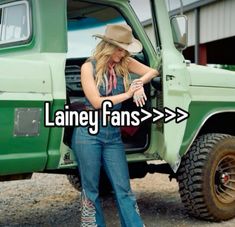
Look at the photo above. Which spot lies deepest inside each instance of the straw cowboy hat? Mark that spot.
(121, 36)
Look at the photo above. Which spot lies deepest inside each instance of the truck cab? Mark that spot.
(42, 47)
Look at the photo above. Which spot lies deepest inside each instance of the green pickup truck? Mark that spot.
(42, 47)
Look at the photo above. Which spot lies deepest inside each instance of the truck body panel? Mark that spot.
(43, 45)
(45, 54)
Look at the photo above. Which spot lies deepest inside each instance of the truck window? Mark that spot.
(85, 20)
(143, 12)
(14, 22)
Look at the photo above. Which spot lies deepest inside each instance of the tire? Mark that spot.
(105, 187)
(75, 181)
(206, 178)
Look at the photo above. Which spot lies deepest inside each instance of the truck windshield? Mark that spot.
(80, 36)
(84, 21)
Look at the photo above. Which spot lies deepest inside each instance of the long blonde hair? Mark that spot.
(102, 55)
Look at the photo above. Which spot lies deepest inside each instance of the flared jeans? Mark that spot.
(105, 149)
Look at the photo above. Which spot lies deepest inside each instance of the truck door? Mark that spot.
(25, 84)
(175, 82)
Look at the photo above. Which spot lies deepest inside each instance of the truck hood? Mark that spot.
(211, 77)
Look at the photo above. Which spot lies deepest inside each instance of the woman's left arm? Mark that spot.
(145, 72)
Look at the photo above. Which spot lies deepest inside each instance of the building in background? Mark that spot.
(211, 28)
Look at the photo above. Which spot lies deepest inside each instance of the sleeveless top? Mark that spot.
(102, 89)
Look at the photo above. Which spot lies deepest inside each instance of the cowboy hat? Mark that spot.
(121, 36)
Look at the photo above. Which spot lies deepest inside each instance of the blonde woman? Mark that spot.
(105, 76)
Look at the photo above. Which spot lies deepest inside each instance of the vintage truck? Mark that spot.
(42, 47)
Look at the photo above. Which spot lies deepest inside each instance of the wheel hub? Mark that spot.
(225, 179)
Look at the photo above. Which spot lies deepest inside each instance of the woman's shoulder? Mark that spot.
(91, 60)
(86, 66)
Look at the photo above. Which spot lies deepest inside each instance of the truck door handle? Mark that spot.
(169, 77)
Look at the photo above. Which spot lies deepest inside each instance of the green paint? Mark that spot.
(51, 25)
(55, 140)
(34, 72)
(200, 112)
(21, 153)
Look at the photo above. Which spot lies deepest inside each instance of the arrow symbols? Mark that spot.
(169, 115)
(159, 113)
(147, 115)
(179, 115)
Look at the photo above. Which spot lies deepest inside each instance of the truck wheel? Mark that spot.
(206, 178)
(74, 180)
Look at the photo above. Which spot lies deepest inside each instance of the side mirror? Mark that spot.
(179, 26)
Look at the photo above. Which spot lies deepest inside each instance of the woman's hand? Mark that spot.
(135, 85)
(139, 97)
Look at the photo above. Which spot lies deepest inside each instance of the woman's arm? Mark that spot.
(145, 72)
(92, 93)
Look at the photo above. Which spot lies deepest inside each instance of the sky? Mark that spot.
(142, 7)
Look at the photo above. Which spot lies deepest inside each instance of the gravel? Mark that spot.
(50, 200)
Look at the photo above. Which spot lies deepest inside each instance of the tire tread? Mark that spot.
(190, 175)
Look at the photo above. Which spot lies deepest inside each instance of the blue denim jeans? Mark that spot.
(106, 149)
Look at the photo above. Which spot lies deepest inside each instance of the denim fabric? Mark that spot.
(102, 89)
(105, 148)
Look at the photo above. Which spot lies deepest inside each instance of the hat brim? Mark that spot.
(134, 47)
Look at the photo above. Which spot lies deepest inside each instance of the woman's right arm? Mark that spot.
(92, 93)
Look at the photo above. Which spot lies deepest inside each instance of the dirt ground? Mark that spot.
(49, 200)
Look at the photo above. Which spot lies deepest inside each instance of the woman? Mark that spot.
(105, 76)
